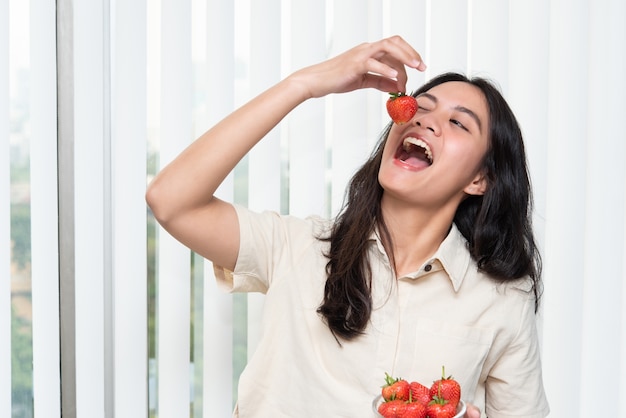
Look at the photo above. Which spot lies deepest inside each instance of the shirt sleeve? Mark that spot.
(514, 387)
(254, 260)
(268, 240)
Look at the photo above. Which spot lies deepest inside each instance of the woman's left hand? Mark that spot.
(472, 411)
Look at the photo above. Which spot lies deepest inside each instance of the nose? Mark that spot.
(430, 123)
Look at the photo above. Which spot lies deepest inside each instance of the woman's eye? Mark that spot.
(459, 124)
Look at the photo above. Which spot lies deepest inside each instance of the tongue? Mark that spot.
(416, 162)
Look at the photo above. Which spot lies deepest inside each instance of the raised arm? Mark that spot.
(182, 195)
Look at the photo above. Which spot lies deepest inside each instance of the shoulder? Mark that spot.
(464, 272)
(512, 298)
(268, 224)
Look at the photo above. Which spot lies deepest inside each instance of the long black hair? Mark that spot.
(496, 225)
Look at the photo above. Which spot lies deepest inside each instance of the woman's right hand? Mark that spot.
(380, 65)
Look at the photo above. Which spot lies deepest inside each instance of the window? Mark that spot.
(31, 201)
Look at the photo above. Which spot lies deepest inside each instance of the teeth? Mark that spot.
(420, 143)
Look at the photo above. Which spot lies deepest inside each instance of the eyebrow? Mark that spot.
(462, 109)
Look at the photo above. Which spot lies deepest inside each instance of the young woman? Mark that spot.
(430, 263)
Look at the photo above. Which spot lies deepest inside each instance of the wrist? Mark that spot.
(299, 86)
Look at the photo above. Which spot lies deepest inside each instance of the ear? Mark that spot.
(478, 186)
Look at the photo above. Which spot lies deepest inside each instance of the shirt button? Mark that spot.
(428, 267)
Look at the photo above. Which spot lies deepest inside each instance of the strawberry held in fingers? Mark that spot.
(401, 107)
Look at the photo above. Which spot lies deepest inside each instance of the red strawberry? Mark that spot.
(392, 409)
(440, 408)
(395, 389)
(401, 107)
(415, 410)
(446, 388)
(420, 393)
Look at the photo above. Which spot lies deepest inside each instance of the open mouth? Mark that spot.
(415, 152)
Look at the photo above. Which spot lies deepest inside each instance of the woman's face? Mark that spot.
(436, 158)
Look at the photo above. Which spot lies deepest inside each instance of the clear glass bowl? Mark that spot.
(460, 409)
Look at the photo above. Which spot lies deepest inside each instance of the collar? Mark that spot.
(452, 255)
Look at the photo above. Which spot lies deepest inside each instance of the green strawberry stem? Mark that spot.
(395, 95)
(438, 400)
(389, 380)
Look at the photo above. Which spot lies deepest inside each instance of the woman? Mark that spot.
(430, 263)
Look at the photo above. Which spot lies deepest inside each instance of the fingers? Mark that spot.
(404, 52)
(378, 66)
(381, 65)
(384, 84)
(388, 59)
(472, 412)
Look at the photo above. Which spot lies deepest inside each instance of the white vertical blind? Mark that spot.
(605, 149)
(567, 164)
(448, 44)
(90, 209)
(583, 217)
(44, 213)
(264, 64)
(412, 17)
(528, 59)
(173, 340)
(487, 40)
(128, 172)
(5, 209)
(348, 133)
(306, 43)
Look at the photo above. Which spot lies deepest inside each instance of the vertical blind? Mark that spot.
(43, 206)
(153, 335)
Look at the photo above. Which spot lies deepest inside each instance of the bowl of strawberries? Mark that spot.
(403, 398)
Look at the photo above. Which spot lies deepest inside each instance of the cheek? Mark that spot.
(470, 158)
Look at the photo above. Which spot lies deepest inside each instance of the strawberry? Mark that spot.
(415, 410)
(401, 107)
(440, 408)
(395, 389)
(420, 393)
(395, 408)
(446, 388)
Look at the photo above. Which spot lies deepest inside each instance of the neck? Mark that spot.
(416, 233)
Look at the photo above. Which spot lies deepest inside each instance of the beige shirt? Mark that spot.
(445, 314)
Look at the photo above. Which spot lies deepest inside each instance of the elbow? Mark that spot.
(159, 203)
